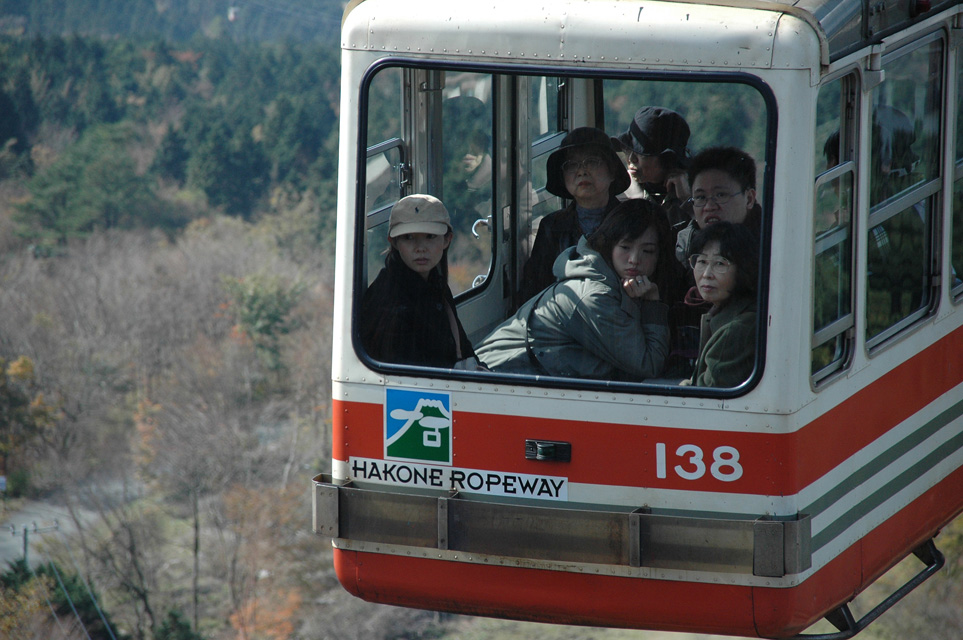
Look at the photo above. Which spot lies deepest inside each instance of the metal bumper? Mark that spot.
(629, 538)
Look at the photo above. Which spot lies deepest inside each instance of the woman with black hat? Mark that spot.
(586, 170)
(656, 156)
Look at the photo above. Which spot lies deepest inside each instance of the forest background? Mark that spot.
(167, 199)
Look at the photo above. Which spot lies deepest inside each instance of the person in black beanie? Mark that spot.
(654, 147)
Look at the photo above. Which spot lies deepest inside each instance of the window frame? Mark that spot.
(765, 181)
(843, 328)
(956, 188)
(928, 191)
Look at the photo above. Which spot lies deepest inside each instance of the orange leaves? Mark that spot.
(267, 615)
(21, 369)
(259, 517)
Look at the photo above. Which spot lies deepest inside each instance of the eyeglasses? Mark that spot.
(719, 198)
(592, 163)
(701, 263)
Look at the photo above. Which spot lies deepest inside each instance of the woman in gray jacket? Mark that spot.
(603, 318)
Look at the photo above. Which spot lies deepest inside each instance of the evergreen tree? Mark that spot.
(231, 170)
(25, 105)
(293, 136)
(175, 627)
(248, 175)
(172, 157)
(92, 185)
(207, 168)
(70, 597)
(11, 127)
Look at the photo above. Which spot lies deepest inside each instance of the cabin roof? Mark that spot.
(843, 26)
(849, 25)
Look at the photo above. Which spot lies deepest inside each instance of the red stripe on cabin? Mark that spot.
(545, 596)
(868, 414)
(625, 455)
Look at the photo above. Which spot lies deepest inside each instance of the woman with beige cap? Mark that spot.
(408, 314)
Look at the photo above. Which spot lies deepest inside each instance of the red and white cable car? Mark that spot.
(755, 510)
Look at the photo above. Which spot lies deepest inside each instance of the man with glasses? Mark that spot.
(723, 183)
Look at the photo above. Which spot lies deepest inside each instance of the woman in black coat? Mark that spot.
(408, 314)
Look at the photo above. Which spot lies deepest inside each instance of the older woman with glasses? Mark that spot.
(723, 183)
(725, 264)
(586, 170)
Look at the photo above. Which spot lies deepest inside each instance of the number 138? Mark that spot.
(725, 463)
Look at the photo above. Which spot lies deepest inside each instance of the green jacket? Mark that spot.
(727, 345)
(583, 326)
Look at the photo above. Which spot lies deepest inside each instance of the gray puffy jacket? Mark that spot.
(584, 326)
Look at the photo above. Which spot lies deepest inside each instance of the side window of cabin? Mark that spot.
(835, 171)
(956, 250)
(904, 186)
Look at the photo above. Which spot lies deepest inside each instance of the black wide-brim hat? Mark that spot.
(587, 138)
(657, 131)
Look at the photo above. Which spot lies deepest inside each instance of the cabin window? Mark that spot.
(835, 169)
(543, 135)
(956, 250)
(440, 142)
(467, 102)
(384, 162)
(450, 130)
(904, 186)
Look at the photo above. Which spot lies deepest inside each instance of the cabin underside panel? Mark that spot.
(511, 588)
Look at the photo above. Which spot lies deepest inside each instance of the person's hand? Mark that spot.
(641, 287)
(677, 185)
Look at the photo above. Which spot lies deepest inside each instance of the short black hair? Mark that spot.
(735, 162)
(738, 245)
(630, 220)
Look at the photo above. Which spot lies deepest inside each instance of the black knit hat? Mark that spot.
(657, 131)
(593, 139)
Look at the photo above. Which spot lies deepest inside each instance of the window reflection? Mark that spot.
(904, 181)
(832, 233)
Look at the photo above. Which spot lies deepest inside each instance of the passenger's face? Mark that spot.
(717, 185)
(645, 169)
(639, 257)
(421, 252)
(472, 159)
(589, 186)
(714, 287)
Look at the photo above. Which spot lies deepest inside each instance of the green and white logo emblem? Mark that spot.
(417, 426)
